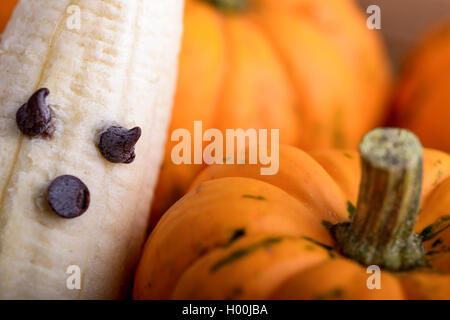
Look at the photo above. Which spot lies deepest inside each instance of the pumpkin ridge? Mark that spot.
(225, 72)
(176, 224)
(300, 104)
(286, 70)
(240, 253)
(262, 247)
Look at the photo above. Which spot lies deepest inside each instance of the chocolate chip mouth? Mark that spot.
(83, 200)
(68, 197)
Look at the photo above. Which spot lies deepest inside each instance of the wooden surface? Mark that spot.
(404, 20)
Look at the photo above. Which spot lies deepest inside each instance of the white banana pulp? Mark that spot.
(118, 67)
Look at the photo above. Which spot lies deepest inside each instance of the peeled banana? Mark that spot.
(115, 68)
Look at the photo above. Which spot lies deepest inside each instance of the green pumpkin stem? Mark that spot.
(382, 230)
(230, 5)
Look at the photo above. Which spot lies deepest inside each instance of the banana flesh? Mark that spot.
(118, 67)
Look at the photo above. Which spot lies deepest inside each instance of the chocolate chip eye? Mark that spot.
(68, 197)
(34, 118)
(117, 144)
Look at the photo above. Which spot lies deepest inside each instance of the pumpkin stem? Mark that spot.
(382, 230)
(230, 5)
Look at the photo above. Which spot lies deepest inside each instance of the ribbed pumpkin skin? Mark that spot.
(309, 68)
(422, 100)
(240, 235)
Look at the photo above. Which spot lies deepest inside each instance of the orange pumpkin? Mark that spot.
(309, 68)
(5, 12)
(240, 235)
(423, 99)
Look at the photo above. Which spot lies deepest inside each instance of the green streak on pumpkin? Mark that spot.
(230, 6)
(351, 210)
(436, 228)
(318, 243)
(225, 159)
(249, 196)
(437, 242)
(439, 175)
(347, 155)
(237, 234)
(337, 132)
(431, 253)
(324, 246)
(235, 293)
(241, 253)
(334, 293)
(327, 224)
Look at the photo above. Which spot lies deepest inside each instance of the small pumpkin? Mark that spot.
(5, 12)
(309, 68)
(423, 99)
(310, 231)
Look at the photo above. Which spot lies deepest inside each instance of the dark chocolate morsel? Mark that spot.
(34, 118)
(68, 197)
(117, 144)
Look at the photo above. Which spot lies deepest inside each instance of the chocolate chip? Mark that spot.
(68, 197)
(117, 144)
(34, 118)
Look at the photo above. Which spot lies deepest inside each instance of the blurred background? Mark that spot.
(404, 20)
